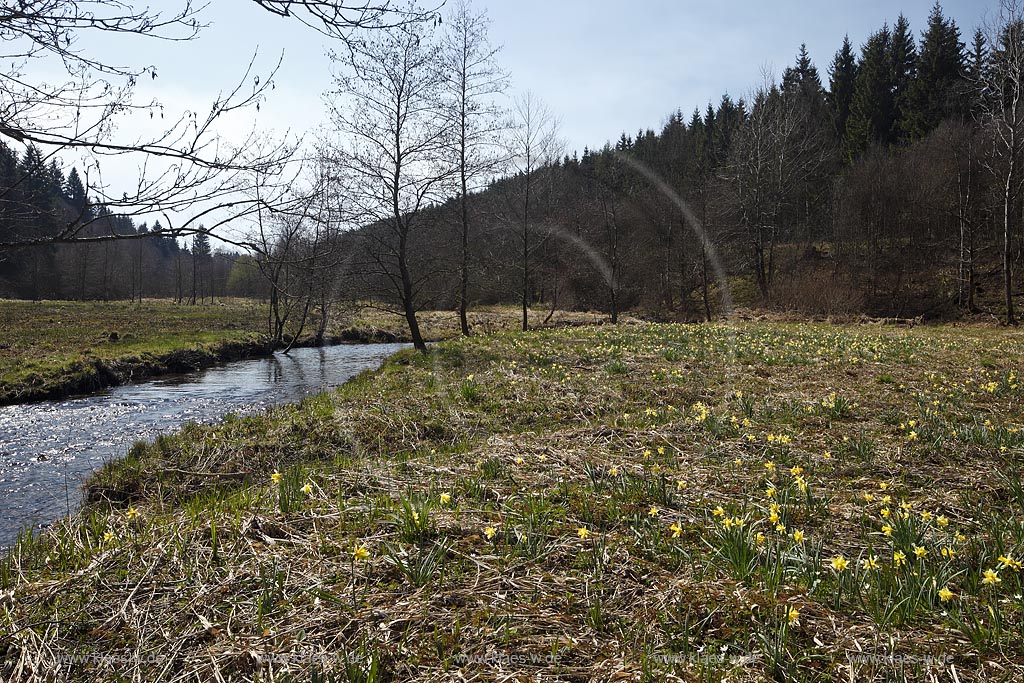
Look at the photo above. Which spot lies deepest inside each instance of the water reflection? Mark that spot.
(48, 449)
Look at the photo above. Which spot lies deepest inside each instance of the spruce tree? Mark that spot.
(75, 193)
(727, 118)
(977, 66)
(939, 83)
(803, 76)
(842, 78)
(803, 82)
(903, 58)
(872, 110)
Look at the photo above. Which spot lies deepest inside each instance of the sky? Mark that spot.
(603, 67)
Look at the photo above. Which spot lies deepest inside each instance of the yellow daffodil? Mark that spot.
(839, 563)
(1008, 561)
(583, 532)
(489, 532)
(361, 553)
(945, 594)
(676, 529)
(275, 477)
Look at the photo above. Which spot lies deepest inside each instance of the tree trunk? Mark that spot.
(704, 278)
(464, 280)
(526, 254)
(1008, 243)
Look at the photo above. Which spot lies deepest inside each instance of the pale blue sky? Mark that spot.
(603, 67)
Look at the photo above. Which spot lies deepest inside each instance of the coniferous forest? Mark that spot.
(882, 182)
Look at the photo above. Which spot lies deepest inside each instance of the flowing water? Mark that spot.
(47, 450)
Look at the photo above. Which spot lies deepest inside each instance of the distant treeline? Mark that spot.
(874, 189)
(37, 201)
(879, 187)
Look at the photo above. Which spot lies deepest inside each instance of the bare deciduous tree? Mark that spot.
(394, 152)
(777, 151)
(534, 146)
(186, 168)
(473, 81)
(1002, 112)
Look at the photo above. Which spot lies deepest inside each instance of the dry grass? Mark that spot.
(438, 535)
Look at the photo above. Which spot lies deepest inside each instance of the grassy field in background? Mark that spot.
(642, 502)
(53, 348)
(44, 345)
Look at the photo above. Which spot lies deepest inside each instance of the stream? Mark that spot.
(48, 449)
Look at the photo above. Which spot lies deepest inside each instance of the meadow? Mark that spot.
(647, 502)
(52, 349)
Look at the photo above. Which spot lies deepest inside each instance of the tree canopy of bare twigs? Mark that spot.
(477, 122)
(188, 173)
(534, 146)
(393, 153)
